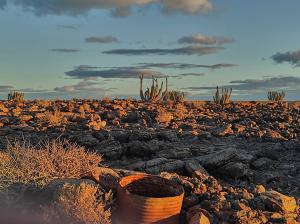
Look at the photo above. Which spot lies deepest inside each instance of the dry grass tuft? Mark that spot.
(23, 163)
(53, 118)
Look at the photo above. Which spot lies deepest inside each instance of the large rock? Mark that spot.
(86, 140)
(234, 170)
(132, 117)
(175, 166)
(111, 149)
(158, 165)
(170, 136)
(261, 163)
(105, 177)
(229, 162)
(194, 169)
(141, 135)
(175, 153)
(277, 202)
(142, 149)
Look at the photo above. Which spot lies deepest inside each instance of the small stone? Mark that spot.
(258, 189)
(223, 131)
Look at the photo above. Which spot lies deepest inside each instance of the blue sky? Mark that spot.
(44, 50)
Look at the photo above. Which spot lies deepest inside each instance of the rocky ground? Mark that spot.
(232, 160)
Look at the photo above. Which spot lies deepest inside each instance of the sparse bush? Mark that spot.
(84, 204)
(16, 96)
(223, 97)
(276, 96)
(73, 204)
(53, 118)
(23, 163)
(174, 96)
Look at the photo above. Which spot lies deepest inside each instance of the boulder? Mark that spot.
(175, 153)
(233, 170)
(277, 202)
(170, 136)
(141, 149)
(194, 169)
(105, 177)
(175, 166)
(111, 149)
(86, 140)
(261, 163)
(158, 165)
(228, 162)
(132, 117)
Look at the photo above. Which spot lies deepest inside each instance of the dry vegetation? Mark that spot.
(84, 204)
(27, 164)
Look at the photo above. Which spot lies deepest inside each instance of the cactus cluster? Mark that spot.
(222, 97)
(174, 96)
(154, 93)
(276, 96)
(16, 96)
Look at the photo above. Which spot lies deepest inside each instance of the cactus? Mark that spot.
(175, 96)
(16, 96)
(276, 96)
(155, 93)
(223, 97)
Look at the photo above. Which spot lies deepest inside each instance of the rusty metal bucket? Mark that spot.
(148, 199)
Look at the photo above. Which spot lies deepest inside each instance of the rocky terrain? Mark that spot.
(232, 160)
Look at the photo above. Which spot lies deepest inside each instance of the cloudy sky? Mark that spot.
(92, 48)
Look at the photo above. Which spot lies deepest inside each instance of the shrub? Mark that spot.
(53, 118)
(276, 96)
(23, 163)
(75, 204)
(84, 204)
(174, 96)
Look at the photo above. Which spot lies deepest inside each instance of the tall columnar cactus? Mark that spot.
(16, 96)
(155, 93)
(276, 96)
(223, 97)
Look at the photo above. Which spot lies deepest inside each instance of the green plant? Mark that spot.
(37, 165)
(222, 97)
(276, 96)
(155, 93)
(175, 96)
(16, 96)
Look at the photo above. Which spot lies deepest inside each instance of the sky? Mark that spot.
(95, 48)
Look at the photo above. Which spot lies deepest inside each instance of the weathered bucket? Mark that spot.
(147, 199)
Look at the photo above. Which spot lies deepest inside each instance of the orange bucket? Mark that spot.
(144, 199)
